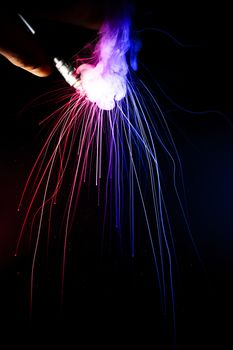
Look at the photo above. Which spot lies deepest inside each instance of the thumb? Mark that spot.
(21, 49)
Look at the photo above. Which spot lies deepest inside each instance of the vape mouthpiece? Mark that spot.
(66, 69)
(68, 72)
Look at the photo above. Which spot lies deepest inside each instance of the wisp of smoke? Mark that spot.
(105, 83)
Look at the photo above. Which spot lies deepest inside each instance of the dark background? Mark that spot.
(121, 298)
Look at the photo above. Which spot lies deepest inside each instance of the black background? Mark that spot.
(117, 300)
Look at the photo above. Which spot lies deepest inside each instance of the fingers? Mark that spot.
(21, 48)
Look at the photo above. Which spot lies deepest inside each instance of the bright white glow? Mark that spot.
(105, 82)
(101, 86)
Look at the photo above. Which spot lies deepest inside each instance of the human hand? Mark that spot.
(21, 48)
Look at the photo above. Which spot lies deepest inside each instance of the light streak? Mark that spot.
(111, 112)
